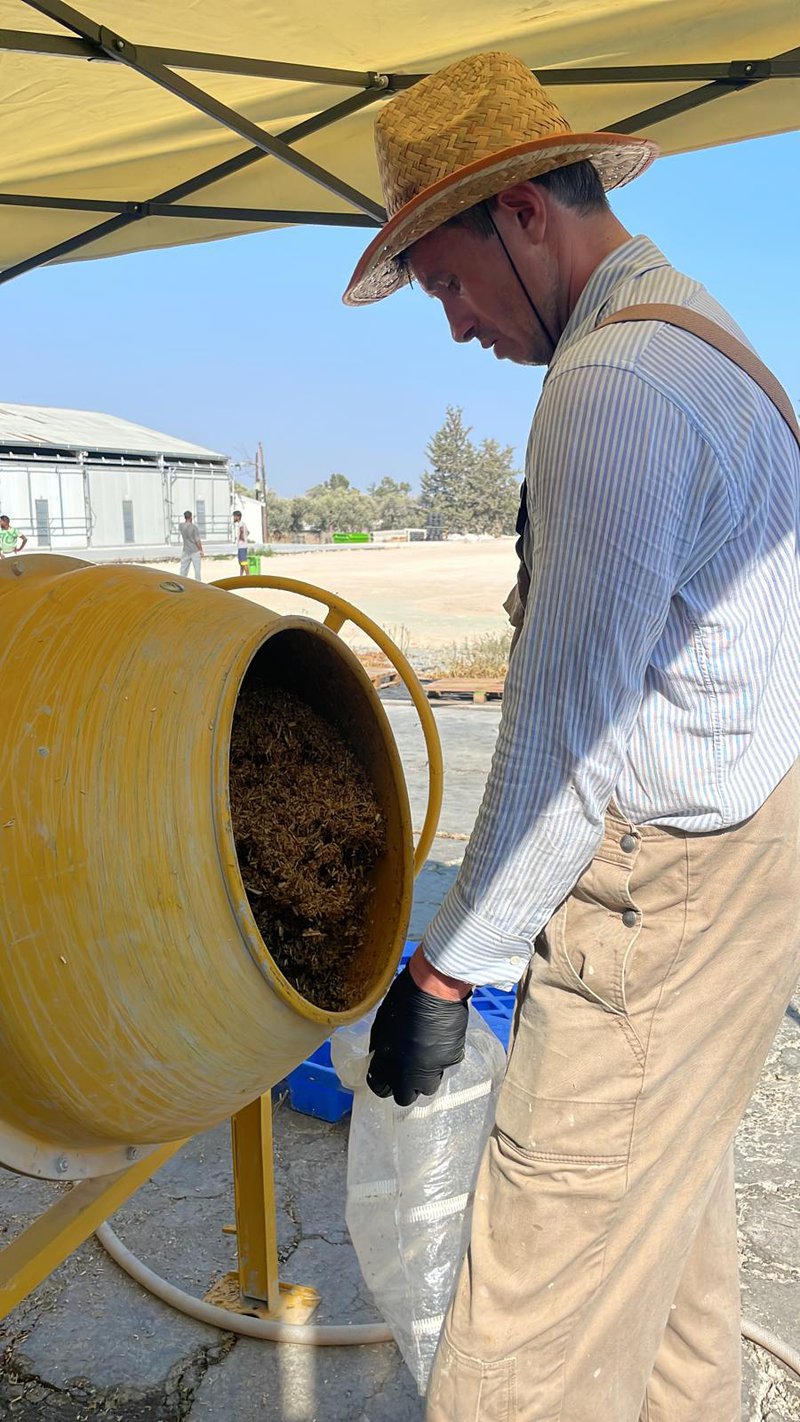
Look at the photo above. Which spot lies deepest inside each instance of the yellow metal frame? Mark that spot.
(53, 1236)
(254, 1195)
(255, 1287)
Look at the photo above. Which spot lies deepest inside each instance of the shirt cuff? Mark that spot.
(463, 945)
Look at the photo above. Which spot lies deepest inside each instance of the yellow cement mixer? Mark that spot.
(139, 1004)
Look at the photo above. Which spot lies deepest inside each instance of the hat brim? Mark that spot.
(617, 157)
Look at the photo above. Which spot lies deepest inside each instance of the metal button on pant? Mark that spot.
(628, 843)
(630, 918)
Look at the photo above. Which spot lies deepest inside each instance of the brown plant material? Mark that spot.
(485, 656)
(308, 830)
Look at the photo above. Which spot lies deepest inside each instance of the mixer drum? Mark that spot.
(138, 1001)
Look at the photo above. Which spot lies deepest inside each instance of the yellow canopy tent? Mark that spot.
(134, 124)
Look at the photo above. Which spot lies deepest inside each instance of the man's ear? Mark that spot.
(525, 205)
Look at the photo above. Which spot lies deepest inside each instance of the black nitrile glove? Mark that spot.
(414, 1037)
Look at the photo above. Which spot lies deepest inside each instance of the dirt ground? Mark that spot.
(425, 595)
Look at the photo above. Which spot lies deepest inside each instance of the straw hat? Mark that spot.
(462, 135)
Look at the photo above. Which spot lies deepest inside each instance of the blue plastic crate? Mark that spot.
(315, 1090)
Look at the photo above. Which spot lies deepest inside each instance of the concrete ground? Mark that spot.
(90, 1344)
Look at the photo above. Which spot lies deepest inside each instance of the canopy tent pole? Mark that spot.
(749, 73)
(73, 47)
(128, 54)
(92, 41)
(136, 211)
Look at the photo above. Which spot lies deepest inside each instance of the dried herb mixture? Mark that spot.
(308, 830)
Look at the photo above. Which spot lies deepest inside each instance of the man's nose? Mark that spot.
(461, 321)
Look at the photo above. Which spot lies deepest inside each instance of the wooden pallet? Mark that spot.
(477, 688)
(380, 673)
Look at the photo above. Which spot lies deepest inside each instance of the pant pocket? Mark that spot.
(559, 1169)
(465, 1389)
(589, 1138)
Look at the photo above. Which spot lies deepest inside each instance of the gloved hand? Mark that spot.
(414, 1037)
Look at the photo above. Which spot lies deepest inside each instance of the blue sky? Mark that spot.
(227, 343)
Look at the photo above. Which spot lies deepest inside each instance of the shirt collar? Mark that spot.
(631, 260)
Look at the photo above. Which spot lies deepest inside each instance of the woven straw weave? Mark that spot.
(461, 136)
(439, 126)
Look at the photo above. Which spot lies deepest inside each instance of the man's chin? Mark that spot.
(516, 356)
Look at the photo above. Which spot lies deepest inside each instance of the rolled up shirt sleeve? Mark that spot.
(626, 498)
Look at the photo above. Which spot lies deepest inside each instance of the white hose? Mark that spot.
(762, 1336)
(315, 1335)
(323, 1335)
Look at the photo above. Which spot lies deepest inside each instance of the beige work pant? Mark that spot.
(601, 1281)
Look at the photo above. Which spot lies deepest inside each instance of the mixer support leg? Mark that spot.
(52, 1237)
(255, 1288)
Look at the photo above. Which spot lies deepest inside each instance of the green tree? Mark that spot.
(279, 513)
(490, 492)
(300, 515)
(336, 483)
(336, 506)
(451, 455)
(474, 488)
(395, 507)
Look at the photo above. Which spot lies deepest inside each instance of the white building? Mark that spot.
(76, 479)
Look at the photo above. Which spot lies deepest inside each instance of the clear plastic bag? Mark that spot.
(410, 1181)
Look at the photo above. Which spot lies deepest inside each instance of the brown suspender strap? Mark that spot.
(714, 335)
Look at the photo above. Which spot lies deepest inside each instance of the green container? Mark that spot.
(350, 538)
(254, 564)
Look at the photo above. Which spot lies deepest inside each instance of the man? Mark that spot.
(242, 539)
(193, 550)
(11, 539)
(635, 860)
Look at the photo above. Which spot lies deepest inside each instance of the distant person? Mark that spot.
(11, 539)
(193, 550)
(242, 538)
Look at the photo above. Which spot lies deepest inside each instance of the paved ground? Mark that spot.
(90, 1344)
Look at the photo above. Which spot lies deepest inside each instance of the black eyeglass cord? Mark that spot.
(522, 513)
(534, 308)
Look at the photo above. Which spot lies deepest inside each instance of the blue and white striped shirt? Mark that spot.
(659, 662)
